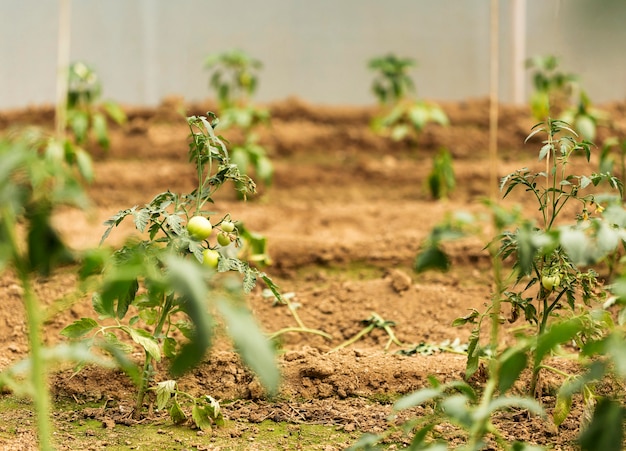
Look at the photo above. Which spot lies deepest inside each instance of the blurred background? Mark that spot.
(145, 50)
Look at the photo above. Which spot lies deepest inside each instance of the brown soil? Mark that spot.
(345, 218)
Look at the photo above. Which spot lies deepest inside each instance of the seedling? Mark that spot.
(554, 96)
(235, 79)
(168, 285)
(441, 180)
(205, 411)
(286, 300)
(402, 116)
(375, 321)
(87, 115)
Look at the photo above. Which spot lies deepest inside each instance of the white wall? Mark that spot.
(144, 50)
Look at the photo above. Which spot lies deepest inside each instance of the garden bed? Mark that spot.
(345, 218)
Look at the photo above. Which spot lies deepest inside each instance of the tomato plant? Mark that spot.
(402, 116)
(172, 280)
(86, 114)
(552, 285)
(554, 96)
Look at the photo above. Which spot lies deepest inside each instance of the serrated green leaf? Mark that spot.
(545, 150)
(146, 341)
(104, 310)
(79, 328)
(249, 280)
(175, 222)
(164, 391)
(169, 347)
(201, 418)
(186, 328)
(473, 354)
(142, 218)
(176, 413)
(562, 407)
(149, 316)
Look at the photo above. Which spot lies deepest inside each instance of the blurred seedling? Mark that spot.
(559, 95)
(234, 77)
(87, 114)
(402, 115)
(375, 321)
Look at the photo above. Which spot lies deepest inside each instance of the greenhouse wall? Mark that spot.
(145, 50)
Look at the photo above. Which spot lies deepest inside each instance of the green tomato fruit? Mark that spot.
(551, 282)
(199, 228)
(227, 226)
(210, 257)
(223, 239)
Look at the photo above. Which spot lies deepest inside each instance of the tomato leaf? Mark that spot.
(79, 328)
(164, 391)
(176, 413)
(145, 340)
(201, 418)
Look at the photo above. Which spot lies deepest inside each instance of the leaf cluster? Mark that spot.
(86, 114)
(392, 82)
(234, 76)
(234, 79)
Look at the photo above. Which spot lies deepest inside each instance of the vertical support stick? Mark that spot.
(63, 63)
(518, 22)
(493, 99)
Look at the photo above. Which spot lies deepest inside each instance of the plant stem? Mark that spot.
(41, 396)
(143, 386)
(357, 337)
(146, 374)
(300, 329)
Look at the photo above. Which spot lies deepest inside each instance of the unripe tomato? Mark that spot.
(227, 226)
(551, 282)
(210, 257)
(223, 239)
(199, 228)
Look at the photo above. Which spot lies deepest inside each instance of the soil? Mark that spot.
(345, 217)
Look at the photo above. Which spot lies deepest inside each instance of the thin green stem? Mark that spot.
(41, 396)
(300, 329)
(143, 385)
(554, 370)
(357, 337)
